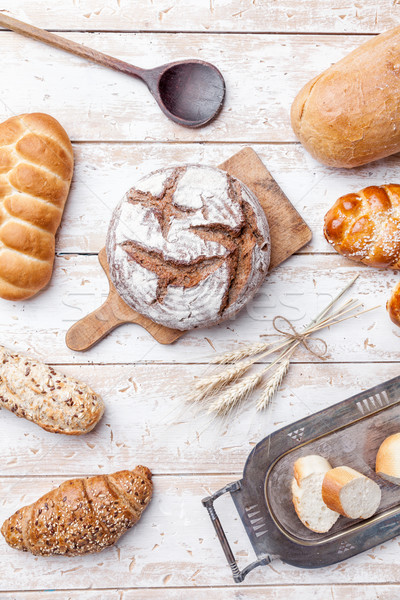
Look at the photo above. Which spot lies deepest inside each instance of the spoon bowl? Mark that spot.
(190, 92)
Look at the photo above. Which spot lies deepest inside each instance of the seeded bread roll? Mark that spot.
(57, 403)
(81, 516)
(188, 246)
(36, 164)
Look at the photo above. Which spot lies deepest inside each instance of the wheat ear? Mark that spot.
(245, 352)
(272, 386)
(214, 383)
(227, 401)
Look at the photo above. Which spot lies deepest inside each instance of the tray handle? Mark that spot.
(208, 502)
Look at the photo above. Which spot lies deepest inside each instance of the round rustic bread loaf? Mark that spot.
(188, 246)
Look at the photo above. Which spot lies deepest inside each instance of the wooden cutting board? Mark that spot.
(288, 230)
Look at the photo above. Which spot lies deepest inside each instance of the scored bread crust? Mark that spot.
(57, 403)
(81, 516)
(388, 459)
(365, 226)
(349, 115)
(36, 165)
(188, 246)
(393, 305)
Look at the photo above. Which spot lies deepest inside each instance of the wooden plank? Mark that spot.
(203, 15)
(104, 172)
(299, 289)
(147, 422)
(174, 545)
(289, 232)
(244, 592)
(262, 73)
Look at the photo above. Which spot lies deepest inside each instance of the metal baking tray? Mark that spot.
(348, 433)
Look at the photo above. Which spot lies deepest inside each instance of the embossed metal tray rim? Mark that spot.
(267, 535)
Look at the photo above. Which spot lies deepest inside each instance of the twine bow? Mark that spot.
(301, 338)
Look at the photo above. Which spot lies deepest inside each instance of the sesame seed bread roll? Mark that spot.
(364, 226)
(57, 403)
(388, 459)
(309, 472)
(81, 516)
(350, 493)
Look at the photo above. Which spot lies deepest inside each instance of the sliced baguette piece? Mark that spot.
(309, 472)
(350, 493)
(388, 459)
(307, 465)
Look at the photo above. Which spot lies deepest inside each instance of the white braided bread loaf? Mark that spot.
(36, 164)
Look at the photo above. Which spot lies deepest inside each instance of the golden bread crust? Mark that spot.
(365, 227)
(36, 165)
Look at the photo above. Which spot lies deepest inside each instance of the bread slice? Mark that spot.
(350, 493)
(388, 459)
(309, 472)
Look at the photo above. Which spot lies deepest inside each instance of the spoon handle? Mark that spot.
(69, 46)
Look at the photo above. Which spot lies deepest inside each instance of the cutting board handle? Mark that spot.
(93, 328)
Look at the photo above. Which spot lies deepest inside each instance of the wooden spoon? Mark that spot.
(190, 92)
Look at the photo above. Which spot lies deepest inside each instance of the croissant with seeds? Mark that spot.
(81, 516)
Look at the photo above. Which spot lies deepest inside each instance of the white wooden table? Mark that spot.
(266, 49)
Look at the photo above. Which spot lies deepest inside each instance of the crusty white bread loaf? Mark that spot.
(350, 493)
(309, 472)
(365, 226)
(393, 305)
(81, 516)
(35, 391)
(350, 114)
(36, 164)
(388, 459)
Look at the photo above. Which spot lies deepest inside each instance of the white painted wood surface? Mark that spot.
(267, 50)
(272, 592)
(241, 16)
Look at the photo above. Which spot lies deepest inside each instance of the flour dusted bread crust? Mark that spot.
(393, 305)
(366, 226)
(188, 246)
(309, 472)
(36, 164)
(350, 493)
(35, 391)
(81, 516)
(350, 114)
(388, 459)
